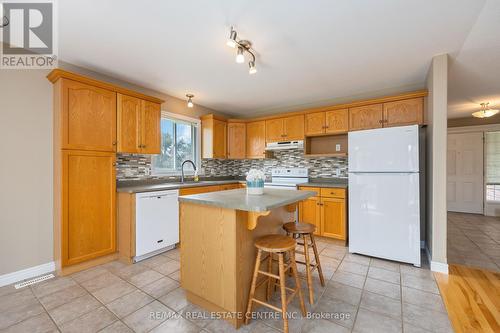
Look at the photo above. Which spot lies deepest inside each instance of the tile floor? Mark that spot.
(362, 294)
(474, 241)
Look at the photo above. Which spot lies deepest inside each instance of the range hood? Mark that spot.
(299, 144)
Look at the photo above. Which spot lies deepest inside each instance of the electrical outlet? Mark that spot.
(337, 147)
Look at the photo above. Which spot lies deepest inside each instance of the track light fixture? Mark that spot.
(242, 47)
(190, 100)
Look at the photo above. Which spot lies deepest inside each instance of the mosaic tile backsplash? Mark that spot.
(131, 166)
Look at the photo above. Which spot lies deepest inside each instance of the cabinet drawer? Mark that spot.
(307, 188)
(333, 192)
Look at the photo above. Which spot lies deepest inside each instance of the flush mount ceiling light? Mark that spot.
(242, 47)
(485, 111)
(190, 100)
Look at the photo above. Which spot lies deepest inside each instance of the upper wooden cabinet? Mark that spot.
(213, 137)
(395, 113)
(236, 140)
(365, 117)
(138, 125)
(88, 117)
(150, 127)
(256, 139)
(285, 129)
(405, 112)
(327, 122)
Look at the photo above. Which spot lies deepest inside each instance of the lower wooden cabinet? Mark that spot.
(327, 212)
(88, 206)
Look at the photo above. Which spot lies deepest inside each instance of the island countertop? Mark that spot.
(239, 199)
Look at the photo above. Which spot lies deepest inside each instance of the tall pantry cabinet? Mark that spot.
(85, 145)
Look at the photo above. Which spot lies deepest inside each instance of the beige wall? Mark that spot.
(26, 163)
(437, 106)
(25, 169)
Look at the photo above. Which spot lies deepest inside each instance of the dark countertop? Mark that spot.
(327, 182)
(148, 187)
(240, 200)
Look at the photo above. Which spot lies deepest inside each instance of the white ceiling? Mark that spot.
(309, 53)
(474, 73)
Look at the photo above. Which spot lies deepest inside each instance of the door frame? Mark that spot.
(483, 129)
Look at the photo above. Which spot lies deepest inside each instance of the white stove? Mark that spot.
(287, 178)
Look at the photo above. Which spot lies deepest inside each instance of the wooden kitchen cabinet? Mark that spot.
(256, 139)
(88, 117)
(333, 217)
(213, 137)
(88, 205)
(365, 117)
(314, 123)
(138, 125)
(285, 129)
(337, 121)
(236, 140)
(327, 122)
(405, 112)
(327, 211)
(310, 212)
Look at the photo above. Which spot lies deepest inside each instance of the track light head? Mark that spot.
(231, 41)
(240, 58)
(252, 69)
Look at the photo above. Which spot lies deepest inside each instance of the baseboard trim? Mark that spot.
(436, 266)
(27, 273)
(439, 267)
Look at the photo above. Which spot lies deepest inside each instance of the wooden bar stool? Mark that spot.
(279, 245)
(304, 231)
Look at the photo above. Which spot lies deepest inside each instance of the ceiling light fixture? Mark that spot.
(243, 46)
(190, 100)
(485, 111)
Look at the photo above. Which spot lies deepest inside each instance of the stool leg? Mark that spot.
(297, 283)
(252, 287)
(308, 271)
(269, 279)
(281, 266)
(316, 257)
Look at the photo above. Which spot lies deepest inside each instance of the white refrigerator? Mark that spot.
(384, 193)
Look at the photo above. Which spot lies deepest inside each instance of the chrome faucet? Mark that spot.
(182, 168)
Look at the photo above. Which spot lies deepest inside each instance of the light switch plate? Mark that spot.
(337, 147)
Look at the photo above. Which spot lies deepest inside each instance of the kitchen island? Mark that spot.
(218, 230)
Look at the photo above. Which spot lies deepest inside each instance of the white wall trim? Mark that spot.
(477, 128)
(27, 273)
(436, 266)
(439, 267)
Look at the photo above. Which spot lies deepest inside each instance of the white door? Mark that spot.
(393, 149)
(384, 215)
(465, 173)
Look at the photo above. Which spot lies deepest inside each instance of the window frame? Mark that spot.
(196, 123)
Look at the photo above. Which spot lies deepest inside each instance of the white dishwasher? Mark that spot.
(157, 222)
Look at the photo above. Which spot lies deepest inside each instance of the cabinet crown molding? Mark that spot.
(58, 73)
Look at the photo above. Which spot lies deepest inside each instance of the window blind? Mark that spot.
(492, 152)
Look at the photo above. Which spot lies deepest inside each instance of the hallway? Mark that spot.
(474, 240)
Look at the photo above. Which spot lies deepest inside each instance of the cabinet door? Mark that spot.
(294, 127)
(236, 137)
(333, 218)
(129, 117)
(150, 128)
(88, 200)
(275, 130)
(219, 139)
(315, 123)
(406, 112)
(310, 212)
(337, 121)
(256, 139)
(365, 117)
(88, 117)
